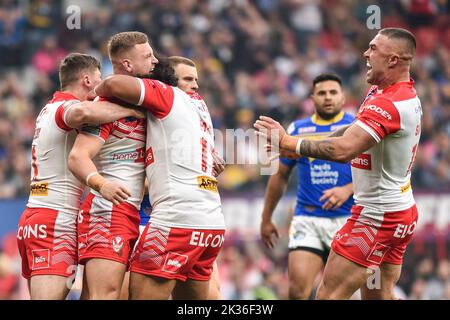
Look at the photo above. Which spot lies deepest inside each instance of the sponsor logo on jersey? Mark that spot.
(149, 157)
(306, 129)
(378, 110)
(337, 127)
(377, 253)
(403, 230)
(41, 258)
(207, 183)
(405, 188)
(340, 236)
(136, 155)
(39, 189)
(117, 243)
(174, 262)
(363, 161)
(37, 132)
(37, 231)
(204, 239)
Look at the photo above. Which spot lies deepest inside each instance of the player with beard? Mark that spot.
(382, 145)
(324, 192)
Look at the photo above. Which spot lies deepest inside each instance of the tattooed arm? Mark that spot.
(353, 142)
(339, 132)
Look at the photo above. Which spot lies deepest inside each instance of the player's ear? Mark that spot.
(86, 80)
(127, 65)
(393, 60)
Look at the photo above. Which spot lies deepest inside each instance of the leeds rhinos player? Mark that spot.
(323, 195)
(382, 143)
(47, 229)
(186, 230)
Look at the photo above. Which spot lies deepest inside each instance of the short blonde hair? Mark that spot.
(124, 41)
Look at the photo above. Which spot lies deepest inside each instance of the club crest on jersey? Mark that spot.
(117, 243)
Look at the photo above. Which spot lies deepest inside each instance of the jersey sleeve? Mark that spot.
(101, 131)
(156, 96)
(379, 118)
(60, 114)
(291, 130)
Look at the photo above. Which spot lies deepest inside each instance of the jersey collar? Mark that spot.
(397, 85)
(63, 96)
(321, 122)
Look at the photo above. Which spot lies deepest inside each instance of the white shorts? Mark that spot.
(314, 232)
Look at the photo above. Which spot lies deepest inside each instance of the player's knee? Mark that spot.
(43, 294)
(105, 292)
(299, 291)
(322, 293)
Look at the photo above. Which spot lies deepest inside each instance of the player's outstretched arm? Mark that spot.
(98, 112)
(275, 188)
(352, 143)
(83, 168)
(125, 88)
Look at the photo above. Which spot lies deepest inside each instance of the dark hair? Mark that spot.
(403, 34)
(326, 77)
(73, 64)
(164, 72)
(124, 41)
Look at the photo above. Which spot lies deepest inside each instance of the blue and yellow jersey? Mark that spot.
(316, 175)
(146, 209)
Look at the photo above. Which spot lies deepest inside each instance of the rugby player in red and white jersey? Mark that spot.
(110, 160)
(187, 75)
(186, 231)
(180, 72)
(47, 229)
(382, 145)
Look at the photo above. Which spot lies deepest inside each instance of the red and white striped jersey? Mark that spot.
(52, 184)
(179, 163)
(381, 175)
(121, 158)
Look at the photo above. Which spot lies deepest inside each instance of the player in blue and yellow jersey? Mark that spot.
(324, 193)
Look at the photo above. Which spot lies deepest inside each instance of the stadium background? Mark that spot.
(254, 57)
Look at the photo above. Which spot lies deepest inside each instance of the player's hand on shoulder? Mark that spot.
(268, 231)
(114, 192)
(139, 113)
(335, 197)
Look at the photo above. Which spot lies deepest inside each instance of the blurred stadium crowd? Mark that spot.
(254, 57)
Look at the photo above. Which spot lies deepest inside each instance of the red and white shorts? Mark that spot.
(177, 253)
(47, 241)
(368, 242)
(106, 231)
